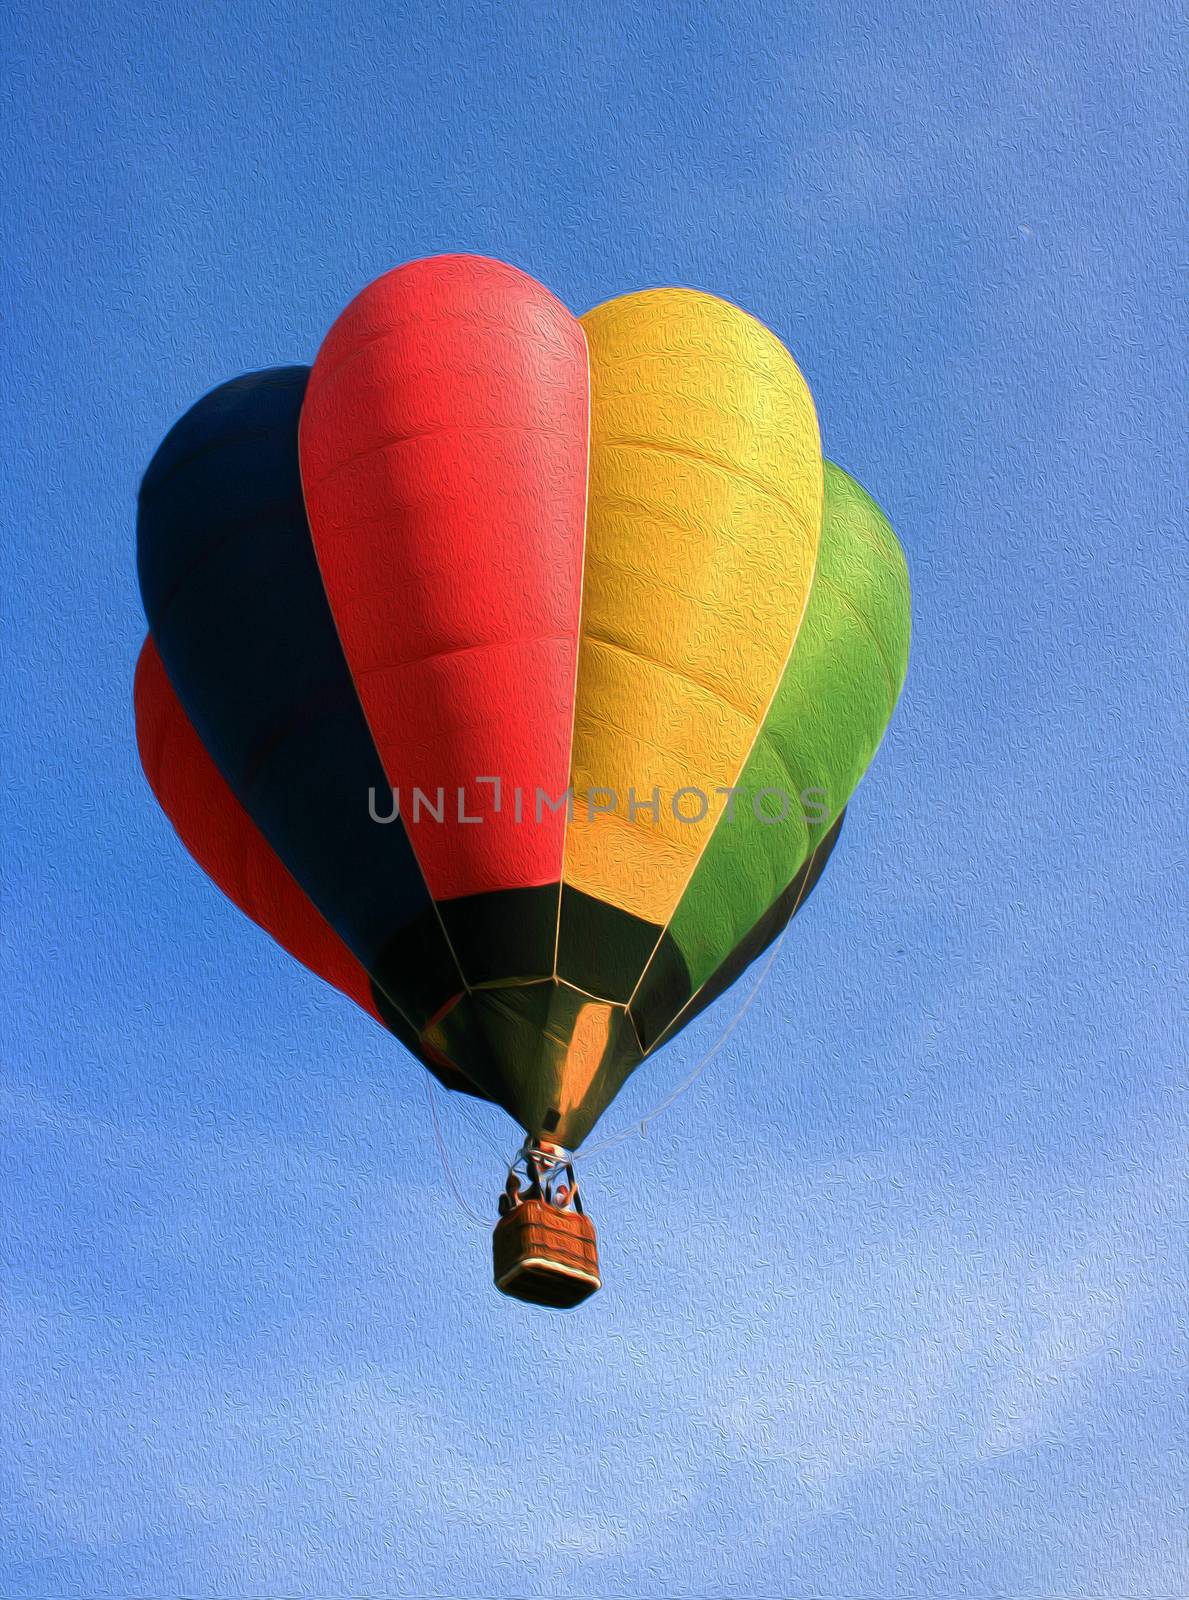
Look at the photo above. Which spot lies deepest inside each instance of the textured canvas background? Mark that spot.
(894, 1305)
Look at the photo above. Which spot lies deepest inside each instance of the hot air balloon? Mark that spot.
(513, 670)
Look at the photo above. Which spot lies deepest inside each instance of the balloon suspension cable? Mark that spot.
(474, 1217)
(641, 1128)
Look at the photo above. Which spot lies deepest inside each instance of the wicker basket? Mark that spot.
(546, 1256)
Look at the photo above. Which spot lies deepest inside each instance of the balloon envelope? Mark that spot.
(584, 596)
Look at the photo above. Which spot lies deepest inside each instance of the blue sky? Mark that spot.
(894, 1305)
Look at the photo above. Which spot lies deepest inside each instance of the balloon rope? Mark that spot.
(699, 1067)
(463, 1107)
(445, 1159)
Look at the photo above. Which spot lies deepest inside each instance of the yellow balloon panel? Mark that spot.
(704, 514)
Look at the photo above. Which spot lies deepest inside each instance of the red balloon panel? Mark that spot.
(444, 442)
